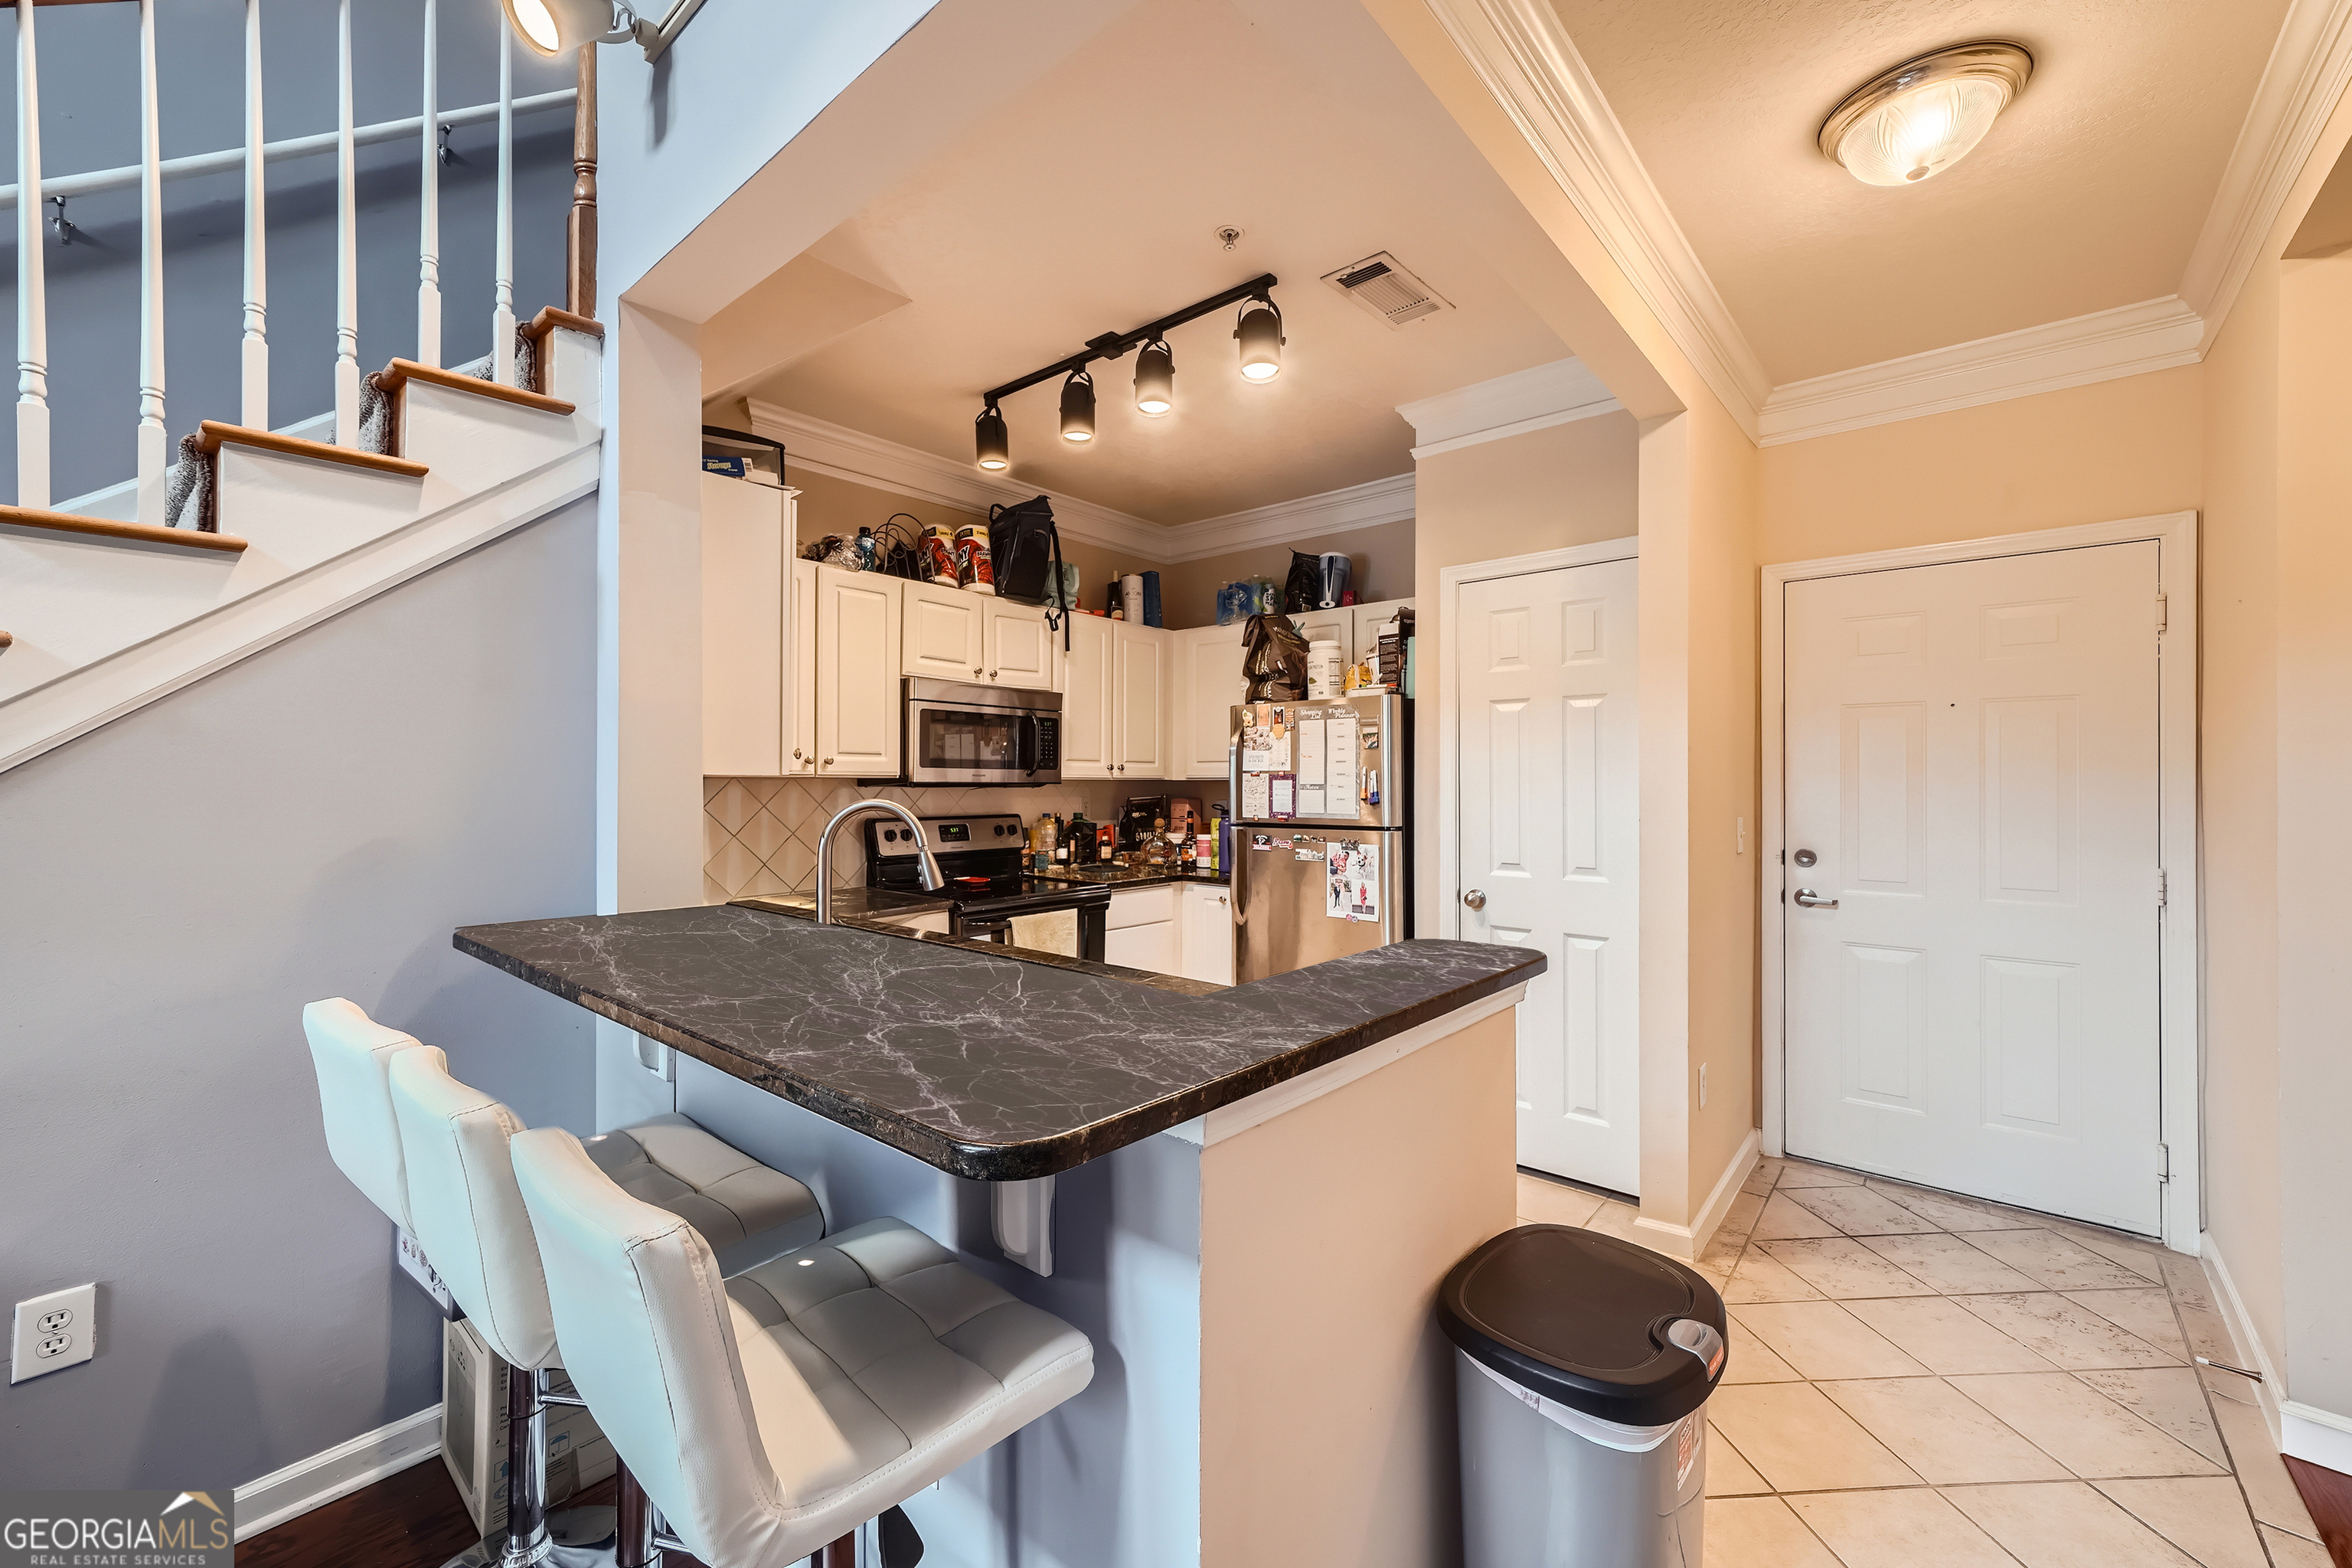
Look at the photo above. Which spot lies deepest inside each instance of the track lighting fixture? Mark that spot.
(988, 435)
(1259, 330)
(1078, 406)
(1155, 378)
(560, 27)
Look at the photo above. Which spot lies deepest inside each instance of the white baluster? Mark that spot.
(429, 240)
(347, 254)
(503, 320)
(155, 445)
(32, 304)
(254, 411)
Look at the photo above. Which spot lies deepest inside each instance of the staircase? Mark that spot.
(105, 608)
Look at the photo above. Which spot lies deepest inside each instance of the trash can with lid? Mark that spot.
(1584, 1366)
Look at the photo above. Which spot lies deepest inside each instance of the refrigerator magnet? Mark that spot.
(1261, 840)
(1285, 804)
(1257, 796)
(1352, 889)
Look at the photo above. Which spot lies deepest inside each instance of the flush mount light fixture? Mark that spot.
(1078, 406)
(1915, 121)
(1259, 330)
(1155, 379)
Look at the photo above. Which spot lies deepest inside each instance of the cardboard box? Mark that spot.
(474, 1431)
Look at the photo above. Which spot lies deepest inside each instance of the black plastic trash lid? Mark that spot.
(1581, 1317)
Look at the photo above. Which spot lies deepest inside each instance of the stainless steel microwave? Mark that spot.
(959, 734)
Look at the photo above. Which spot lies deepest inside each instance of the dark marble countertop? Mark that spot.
(987, 1064)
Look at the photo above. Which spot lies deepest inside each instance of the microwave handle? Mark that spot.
(1031, 752)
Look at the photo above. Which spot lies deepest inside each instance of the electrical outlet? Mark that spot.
(1702, 1086)
(59, 1329)
(1741, 832)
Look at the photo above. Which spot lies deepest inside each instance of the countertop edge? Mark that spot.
(1036, 1157)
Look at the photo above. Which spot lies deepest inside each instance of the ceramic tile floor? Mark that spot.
(1925, 1380)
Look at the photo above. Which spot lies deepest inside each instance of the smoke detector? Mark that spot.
(1380, 284)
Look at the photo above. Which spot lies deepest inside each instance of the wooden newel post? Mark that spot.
(580, 299)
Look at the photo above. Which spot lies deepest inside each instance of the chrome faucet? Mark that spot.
(929, 865)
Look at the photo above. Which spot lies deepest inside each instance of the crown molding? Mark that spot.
(2155, 334)
(1549, 394)
(1333, 512)
(822, 448)
(845, 454)
(2310, 69)
(1522, 53)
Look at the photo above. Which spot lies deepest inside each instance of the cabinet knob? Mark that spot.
(796, 753)
(992, 674)
(975, 670)
(827, 763)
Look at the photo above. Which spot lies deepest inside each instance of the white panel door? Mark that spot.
(1020, 652)
(1140, 721)
(1209, 684)
(1972, 776)
(1089, 695)
(859, 714)
(1551, 832)
(944, 637)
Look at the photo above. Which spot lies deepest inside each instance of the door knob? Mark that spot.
(1809, 900)
(1475, 898)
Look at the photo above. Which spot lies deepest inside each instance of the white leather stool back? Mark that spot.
(465, 1209)
(353, 1053)
(648, 1342)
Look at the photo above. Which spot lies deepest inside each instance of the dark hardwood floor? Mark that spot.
(413, 1520)
(2328, 1495)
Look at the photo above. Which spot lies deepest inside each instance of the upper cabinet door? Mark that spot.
(1369, 619)
(1330, 625)
(944, 637)
(1020, 651)
(1088, 698)
(800, 673)
(744, 530)
(1210, 681)
(859, 714)
(1142, 726)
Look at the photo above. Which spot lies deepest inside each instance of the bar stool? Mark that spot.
(770, 1415)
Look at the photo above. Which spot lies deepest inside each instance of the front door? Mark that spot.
(1549, 832)
(1972, 881)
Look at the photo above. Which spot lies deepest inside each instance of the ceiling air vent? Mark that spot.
(1380, 284)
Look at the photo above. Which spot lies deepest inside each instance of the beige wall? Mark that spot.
(1384, 557)
(1327, 1388)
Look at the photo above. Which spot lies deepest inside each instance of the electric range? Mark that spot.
(988, 882)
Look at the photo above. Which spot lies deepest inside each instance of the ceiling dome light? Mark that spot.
(1924, 115)
(1260, 333)
(1155, 378)
(1078, 406)
(988, 435)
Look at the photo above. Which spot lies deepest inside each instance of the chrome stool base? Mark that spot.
(577, 1538)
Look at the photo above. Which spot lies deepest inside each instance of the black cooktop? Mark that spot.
(982, 857)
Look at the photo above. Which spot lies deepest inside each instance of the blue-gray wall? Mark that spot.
(173, 887)
(89, 120)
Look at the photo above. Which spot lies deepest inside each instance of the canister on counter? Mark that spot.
(973, 570)
(939, 557)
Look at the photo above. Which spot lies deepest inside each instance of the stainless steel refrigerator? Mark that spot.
(1321, 856)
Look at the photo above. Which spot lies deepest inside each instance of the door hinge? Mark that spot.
(2163, 1162)
(2163, 887)
(2163, 612)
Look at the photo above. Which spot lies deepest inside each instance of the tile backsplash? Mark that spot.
(758, 835)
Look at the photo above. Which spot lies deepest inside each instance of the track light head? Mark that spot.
(557, 26)
(988, 436)
(1155, 378)
(1259, 331)
(1078, 406)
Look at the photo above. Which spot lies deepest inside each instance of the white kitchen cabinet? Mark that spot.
(945, 632)
(1366, 626)
(859, 622)
(1330, 625)
(746, 686)
(1208, 918)
(1089, 699)
(1139, 723)
(1020, 650)
(1144, 928)
(800, 672)
(1209, 682)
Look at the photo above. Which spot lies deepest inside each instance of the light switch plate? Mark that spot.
(59, 1329)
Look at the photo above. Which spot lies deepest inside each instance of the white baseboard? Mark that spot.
(2252, 1353)
(337, 1472)
(1690, 1240)
(2320, 1436)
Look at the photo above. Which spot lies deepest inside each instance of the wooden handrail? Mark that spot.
(389, 378)
(107, 528)
(550, 317)
(5, 640)
(213, 435)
